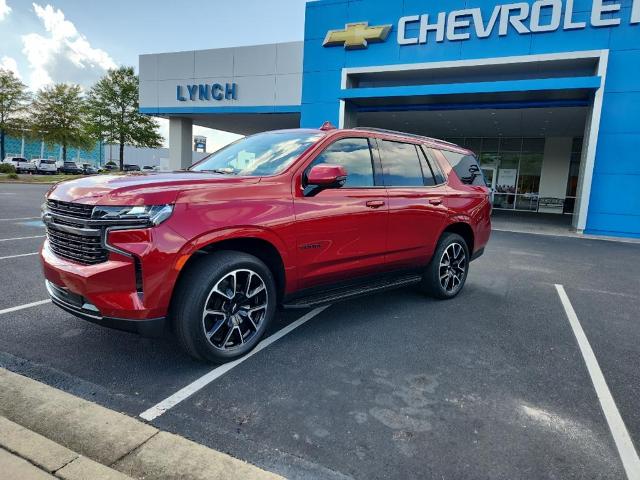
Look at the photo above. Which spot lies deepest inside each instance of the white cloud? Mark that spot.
(64, 54)
(9, 63)
(5, 10)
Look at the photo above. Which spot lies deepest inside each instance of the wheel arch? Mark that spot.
(260, 247)
(464, 230)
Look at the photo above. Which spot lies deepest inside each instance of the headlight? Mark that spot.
(150, 214)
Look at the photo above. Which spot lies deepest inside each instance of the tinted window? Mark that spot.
(466, 167)
(262, 154)
(435, 167)
(355, 156)
(427, 170)
(401, 165)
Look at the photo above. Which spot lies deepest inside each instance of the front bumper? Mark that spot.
(79, 306)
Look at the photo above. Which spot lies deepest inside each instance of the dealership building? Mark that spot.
(547, 92)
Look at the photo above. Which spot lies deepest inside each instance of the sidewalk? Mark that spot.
(46, 434)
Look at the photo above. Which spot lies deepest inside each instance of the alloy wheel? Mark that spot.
(235, 309)
(453, 267)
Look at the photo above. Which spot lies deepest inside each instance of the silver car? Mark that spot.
(46, 166)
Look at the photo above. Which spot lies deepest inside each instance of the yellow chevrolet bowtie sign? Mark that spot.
(356, 36)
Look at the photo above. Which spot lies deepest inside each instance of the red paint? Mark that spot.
(335, 235)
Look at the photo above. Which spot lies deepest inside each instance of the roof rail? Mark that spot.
(404, 134)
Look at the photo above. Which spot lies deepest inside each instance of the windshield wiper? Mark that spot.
(221, 171)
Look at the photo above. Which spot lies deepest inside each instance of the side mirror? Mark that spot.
(327, 176)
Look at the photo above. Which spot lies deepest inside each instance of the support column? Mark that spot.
(180, 135)
(555, 170)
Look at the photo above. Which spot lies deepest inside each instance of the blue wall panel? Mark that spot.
(33, 149)
(614, 207)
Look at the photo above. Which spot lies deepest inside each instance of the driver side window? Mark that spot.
(354, 155)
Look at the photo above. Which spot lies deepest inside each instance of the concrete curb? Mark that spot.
(48, 456)
(65, 424)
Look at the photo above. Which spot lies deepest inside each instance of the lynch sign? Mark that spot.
(206, 91)
(538, 17)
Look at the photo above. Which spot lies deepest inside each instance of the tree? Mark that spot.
(14, 101)
(58, 117)
(113, 116)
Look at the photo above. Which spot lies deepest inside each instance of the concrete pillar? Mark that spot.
(555, 169)
(180, 135)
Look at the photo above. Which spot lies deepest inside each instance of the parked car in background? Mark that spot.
(129, 167)
(46, 166)
(297, 218)
(21, 164)
(89, 169)
(70, 168)
(111, 167)
(149, 168)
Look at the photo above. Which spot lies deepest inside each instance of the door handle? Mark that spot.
(435, 201)
(375, 203)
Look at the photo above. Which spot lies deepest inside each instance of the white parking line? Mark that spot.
(621, 437)
(186, 392)
(16, 219)
(20, 238)
(21, 255)
(22, 307)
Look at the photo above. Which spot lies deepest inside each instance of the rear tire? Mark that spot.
(222, 306)
(447, 273)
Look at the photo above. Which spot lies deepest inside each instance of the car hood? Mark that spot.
(139, 188)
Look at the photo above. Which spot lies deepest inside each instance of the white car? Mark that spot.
(21, 164)
(46, 166)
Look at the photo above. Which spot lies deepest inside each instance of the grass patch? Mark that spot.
(37, 178)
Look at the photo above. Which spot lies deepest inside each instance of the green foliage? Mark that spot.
(58, 117)
(13, 176)
(14, 101)
(113, 116)
(7, 168)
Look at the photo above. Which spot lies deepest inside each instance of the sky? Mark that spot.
(77, 41)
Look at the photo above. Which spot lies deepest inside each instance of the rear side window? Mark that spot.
(427, 169)
(466, 167)
(401, 165)
(354, 155)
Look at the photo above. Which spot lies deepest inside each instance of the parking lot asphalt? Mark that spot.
(491, 384)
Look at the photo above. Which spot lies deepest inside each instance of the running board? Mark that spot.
(352, 291)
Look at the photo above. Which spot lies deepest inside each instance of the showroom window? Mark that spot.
(511, 167)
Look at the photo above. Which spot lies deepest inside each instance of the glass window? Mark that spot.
(466, 167)
(401, 165)
(355, 156)
(262, 154)
(428, 169)
(511, 145)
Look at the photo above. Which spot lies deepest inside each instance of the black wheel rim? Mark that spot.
(453, 267)
(235, 309)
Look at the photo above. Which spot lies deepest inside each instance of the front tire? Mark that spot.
(223, 304)
(447, 272)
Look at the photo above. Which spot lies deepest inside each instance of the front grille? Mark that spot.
(71, 235)
(83, 249)
(68, 209)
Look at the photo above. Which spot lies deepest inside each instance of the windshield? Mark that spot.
(259, 155)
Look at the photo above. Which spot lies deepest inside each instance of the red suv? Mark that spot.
(295, 218)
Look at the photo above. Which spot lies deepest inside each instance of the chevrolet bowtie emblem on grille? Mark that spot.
(356, 36)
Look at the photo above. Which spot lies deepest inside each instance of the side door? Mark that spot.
(417, 208)
(341, 232)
